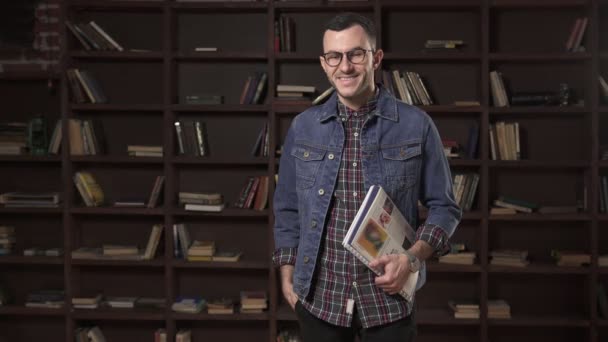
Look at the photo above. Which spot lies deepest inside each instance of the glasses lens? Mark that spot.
(356, 56)
(333, 58)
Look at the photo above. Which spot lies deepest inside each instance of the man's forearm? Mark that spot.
(422, 250)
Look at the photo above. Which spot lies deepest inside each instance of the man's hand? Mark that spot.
(287, 285)
(396, 270)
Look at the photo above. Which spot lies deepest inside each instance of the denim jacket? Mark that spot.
(400, 150)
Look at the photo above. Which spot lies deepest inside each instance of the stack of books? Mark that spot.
(7, 239)
(20, 199)
(509, 257)
(464, 309)
(121, 302)
(189, 305)
(50, 299)
(13, 138)
(144, 151)
(121, 251)
(253, 301)
(458, 255)
(515, 204)
(290, 92)
(35, 251)
(202, 201)
(87, 302)
(571, 258)
(499, 309)
(192, 138)
(201, 250)
(221, 306)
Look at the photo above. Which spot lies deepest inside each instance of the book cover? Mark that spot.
(379, 229)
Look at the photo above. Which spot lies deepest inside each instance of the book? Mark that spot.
(379, 229)
(227, 256)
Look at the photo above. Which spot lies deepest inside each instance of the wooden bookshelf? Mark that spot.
(523, 39)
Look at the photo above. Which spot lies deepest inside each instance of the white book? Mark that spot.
(380, 229)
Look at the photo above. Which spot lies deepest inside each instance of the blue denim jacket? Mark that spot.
(401, 151)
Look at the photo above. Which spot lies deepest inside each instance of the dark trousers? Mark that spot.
(313, 329)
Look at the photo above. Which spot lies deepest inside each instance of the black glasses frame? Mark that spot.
(349, 55)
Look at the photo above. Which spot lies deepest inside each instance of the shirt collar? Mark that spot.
(385, 107)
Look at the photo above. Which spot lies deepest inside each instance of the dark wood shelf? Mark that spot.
(222, 7)
(539, 268)
(222, 160)
(122, 314)
(540, 110)
(297, 57)
(118, 56)
(541, 217)
(523, 4)
(31, 260)
(158, 263)
(111, 159)
(243, 264)
(115, 5)
(223, 108)
(432, 5)
(220, 56)
(42, 76)
(540, 57)
(316, 6)
(538, 164)
(207, 317)
(15, 310)
(561, 320)
(437, 109)
(442, 317)
(465, 162)
(437, 267)
(31, 210)
(93, 107)
(26, 158)
(228, 213)
(433, 56)
(117, 211)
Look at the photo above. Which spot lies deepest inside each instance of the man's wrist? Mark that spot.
(413, 260)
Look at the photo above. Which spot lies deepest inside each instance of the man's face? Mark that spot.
(354, 83)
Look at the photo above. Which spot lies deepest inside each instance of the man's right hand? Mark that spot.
(287, 285)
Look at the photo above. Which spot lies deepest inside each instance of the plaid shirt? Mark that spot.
(339, 275)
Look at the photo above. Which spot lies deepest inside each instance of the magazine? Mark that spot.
(380, 229)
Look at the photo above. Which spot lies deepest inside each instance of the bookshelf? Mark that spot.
(522, 39)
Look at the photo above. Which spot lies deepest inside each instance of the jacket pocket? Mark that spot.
(401, 164)
(308, 161)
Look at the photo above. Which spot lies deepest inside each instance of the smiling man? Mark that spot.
(333, 153)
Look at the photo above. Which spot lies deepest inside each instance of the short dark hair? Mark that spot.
(346, 20)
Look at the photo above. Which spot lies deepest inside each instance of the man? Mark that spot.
(333, 153)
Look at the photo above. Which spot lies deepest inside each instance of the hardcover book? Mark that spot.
(379, 229)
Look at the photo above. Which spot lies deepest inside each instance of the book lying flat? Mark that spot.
(380, 229)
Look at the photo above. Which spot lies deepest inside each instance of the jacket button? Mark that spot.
(402, 152)
(321, 192)
(306, 259)
(313, 224)
(330, 156)
(306, 154)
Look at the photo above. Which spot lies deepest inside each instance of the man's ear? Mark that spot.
(378, 55)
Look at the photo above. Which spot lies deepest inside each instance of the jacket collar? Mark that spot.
(385, 108)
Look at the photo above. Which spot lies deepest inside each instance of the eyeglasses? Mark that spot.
(355, 56)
